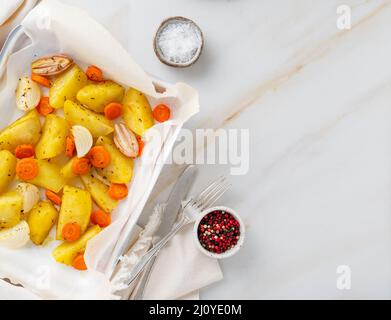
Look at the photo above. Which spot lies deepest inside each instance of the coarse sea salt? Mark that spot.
(179, 41)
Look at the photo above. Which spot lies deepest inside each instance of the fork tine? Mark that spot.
(212, 194)
(216, 196)
(207, 193)
(211, 186)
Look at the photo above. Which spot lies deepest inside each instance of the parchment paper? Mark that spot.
(54, 27)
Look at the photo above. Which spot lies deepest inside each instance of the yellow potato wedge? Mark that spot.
(48, 177)
(66, 86)
(52, 142)
(99, 192)
(7, 171)
(11, 206)
(96, 123)
(137, 112)
(66, 170)
(96, 96)
(76, 208)
(25, 130)
(67, 251)
(41, 219)
(120, 169)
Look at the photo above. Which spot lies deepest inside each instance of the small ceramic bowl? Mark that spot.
(230, 252)
(158, 51)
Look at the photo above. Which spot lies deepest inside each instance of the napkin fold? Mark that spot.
(8, 8)
(12, 13)
(180, 269)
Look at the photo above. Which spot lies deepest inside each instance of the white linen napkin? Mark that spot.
(12, 13)
(180, 269)
(8, 7)
(9, 291)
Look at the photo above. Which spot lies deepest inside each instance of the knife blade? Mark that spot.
(173, 205)
(174, 202)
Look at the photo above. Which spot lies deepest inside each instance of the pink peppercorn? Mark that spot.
(218, 231)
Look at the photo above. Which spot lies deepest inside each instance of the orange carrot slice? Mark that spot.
(140, 146)
(53, 197)
(100, 218)
(161, 113)
(41, 80)
(113, 110)
(70, 147)
(27, 169)
(94, 74)
(71, 232)
(99, 157)
(81, 166)
(118, 191)
(79, 263)
(24, 151)
(44, 108)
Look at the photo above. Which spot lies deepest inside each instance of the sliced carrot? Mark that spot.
(101, 218)
(161, 113)
(113, 110)
(70, 146)
(81, 166)
(118, 191)
(79, 263)
(24, 151)
(140, 146)
(53, 197)
(99, 157)
(27, 168)
(41, 80)
(94, 74)
(71, 232)
(44, 108)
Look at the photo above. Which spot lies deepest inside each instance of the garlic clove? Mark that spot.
(30, 194)
(52, 65)
(27, 94)
(15, 237)
(125, 140)
(83, 140)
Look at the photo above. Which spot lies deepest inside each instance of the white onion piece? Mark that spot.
(30, 194)
(15, 237)
(83, 140)
(27, 94)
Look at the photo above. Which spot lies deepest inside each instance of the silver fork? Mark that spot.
(191, 211)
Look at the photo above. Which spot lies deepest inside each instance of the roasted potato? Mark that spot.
(48, 177)
(67, 251)
(137, 111)
(99, 192)
(52, 142)
(11, 205)
(41, 219)
(76, 208)
(25, 130)
(66, 170)
(97, 95)
(120, 169)
(66, 86)
(96, 123)
(7, 172)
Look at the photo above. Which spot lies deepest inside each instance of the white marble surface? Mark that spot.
(317, 101)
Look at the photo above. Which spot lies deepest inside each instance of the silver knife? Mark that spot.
(174, 203)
